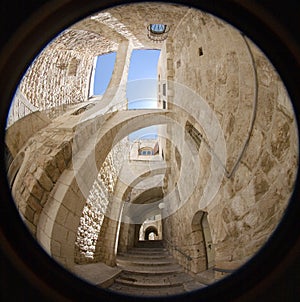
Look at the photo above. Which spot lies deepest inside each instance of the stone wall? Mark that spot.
(252, 112)
(61, 73)
(93, 215)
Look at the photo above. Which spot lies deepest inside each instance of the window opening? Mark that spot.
(164, 89)
(158, 32)
(164, 104)
(141, 90)
(158, 28)
(146, 151)
(103, 72)
(200, 51)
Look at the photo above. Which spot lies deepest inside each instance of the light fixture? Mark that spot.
(158, 32)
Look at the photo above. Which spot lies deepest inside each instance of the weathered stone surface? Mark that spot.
(280, 137)
(261, 186)
(51, 169)
(33, 186)
(43, 179)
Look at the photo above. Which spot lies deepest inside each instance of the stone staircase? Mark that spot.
(148, 270)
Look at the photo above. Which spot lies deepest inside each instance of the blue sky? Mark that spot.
(104, 68)
(142, 87)
(141, 83)
(143, 64)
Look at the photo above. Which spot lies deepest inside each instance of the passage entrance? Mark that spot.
(151, 229)
(202, 243)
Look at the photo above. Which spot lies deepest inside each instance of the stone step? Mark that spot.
(144, 256)
(149, 270)
(153, 270)
(147, 250)
(128, 261)
(146, 253)
(146, 291)
(150, 243)
(146, 281)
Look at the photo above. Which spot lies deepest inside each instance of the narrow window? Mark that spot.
(200, 51)
(164, 89)
(164, 104)
(103, 72)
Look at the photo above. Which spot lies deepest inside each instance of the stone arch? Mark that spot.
(57, 219)
(144, 204)
(202, 243)
(149, 230)
(123, 192)
(130, 226)
(55, 178)
(60, 219)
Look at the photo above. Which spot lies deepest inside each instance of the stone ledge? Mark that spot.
(98, 274)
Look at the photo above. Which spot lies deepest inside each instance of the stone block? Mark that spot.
(51, 169)
(60, 161)
(72, 221)
(280, 142)
(33, 186)
(59, 233)
(261, 186)
(43, 179)
(34, 203)
(265, 108)
(67, 151)
(55, 248)
(44, 199)
(61, 216)
(267, 162)
(251, 219)
(29, 214)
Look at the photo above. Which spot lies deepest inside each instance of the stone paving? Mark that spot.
(151, 271)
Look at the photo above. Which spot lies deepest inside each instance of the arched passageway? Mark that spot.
(150, 233)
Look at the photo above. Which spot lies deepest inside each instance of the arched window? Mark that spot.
(150, 233)
(146, 151)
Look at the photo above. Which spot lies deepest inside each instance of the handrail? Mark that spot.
(189, 258)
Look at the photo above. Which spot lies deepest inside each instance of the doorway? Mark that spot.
(203, 243)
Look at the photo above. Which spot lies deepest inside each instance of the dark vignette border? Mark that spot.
(25, 28)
